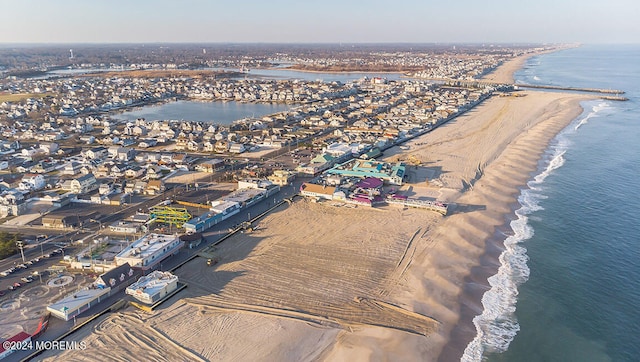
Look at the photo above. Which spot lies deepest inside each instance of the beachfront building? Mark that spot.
(250, 191)
(82, 300)
(317, 191)
(153, 287)
(23, 338)
(148, 251)
(390, 174)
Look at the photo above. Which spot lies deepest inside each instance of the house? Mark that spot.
(182, 142)
(105, 188)
(12, 202)
(87, 139)
(154, 172)
(31, 182)
(139, 187)
(180, 158)
(149, 142)
(193, 146)
(134, 172)
(211, 165)
(154, 187)
(166, 158)
(95, 153)
(83, 184)
(43, 167)
(221, 146)
(71, 168)
(49, 148)
(118, 170)
(125, 154)
(208, 147)
(236, 148)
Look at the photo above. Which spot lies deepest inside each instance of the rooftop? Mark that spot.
(152, 283)
(146, 246)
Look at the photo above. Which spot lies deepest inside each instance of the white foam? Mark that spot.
(594, 112)
(497, 325)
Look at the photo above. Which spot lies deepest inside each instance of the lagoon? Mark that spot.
(218, 112)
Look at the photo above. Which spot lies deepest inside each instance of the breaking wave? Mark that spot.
(594, 111)
(497, 325)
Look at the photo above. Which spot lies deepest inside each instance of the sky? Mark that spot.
(321, 21)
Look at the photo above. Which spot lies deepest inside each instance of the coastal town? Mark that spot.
(109, 213)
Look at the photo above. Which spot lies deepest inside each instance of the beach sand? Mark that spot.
(317, 281)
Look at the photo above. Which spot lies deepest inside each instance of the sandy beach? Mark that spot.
(319, 281)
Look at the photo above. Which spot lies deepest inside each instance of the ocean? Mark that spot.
(568, 287)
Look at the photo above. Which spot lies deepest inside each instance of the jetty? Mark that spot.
(510, 87)
(590, 90)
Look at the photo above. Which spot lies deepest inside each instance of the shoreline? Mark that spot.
(476, 282)
(417, 263)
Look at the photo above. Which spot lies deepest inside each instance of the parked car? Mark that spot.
(15, 286)
(27, 279)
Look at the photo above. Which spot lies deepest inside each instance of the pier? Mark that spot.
(506, 87)
(590, 90)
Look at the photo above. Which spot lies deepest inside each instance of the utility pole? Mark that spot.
(20, 245)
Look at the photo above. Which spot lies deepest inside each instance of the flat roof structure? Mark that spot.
(149, 250)
(153, 287)
(391, 174)
(77, 302)
(243, 195)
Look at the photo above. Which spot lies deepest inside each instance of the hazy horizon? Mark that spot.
(329, 22)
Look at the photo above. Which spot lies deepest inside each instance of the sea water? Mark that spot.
(568, 287)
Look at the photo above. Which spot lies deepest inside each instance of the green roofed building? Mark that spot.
(390, 174)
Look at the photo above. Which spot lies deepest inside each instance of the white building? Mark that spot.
(153, 287)
(32, 182)
(149, 250)
(78, 301)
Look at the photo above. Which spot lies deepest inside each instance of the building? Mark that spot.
(154, 187)
(21, 337)
(318, 191)
(211, 165)
(390, 174)
(281, 177)
(125, 227)
(105, 285)
(12, 203)
(32, 182)
(150, 250)
(57, 221)
(153, 287)
(83, 184)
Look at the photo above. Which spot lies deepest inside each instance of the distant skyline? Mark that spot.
(328, 21)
